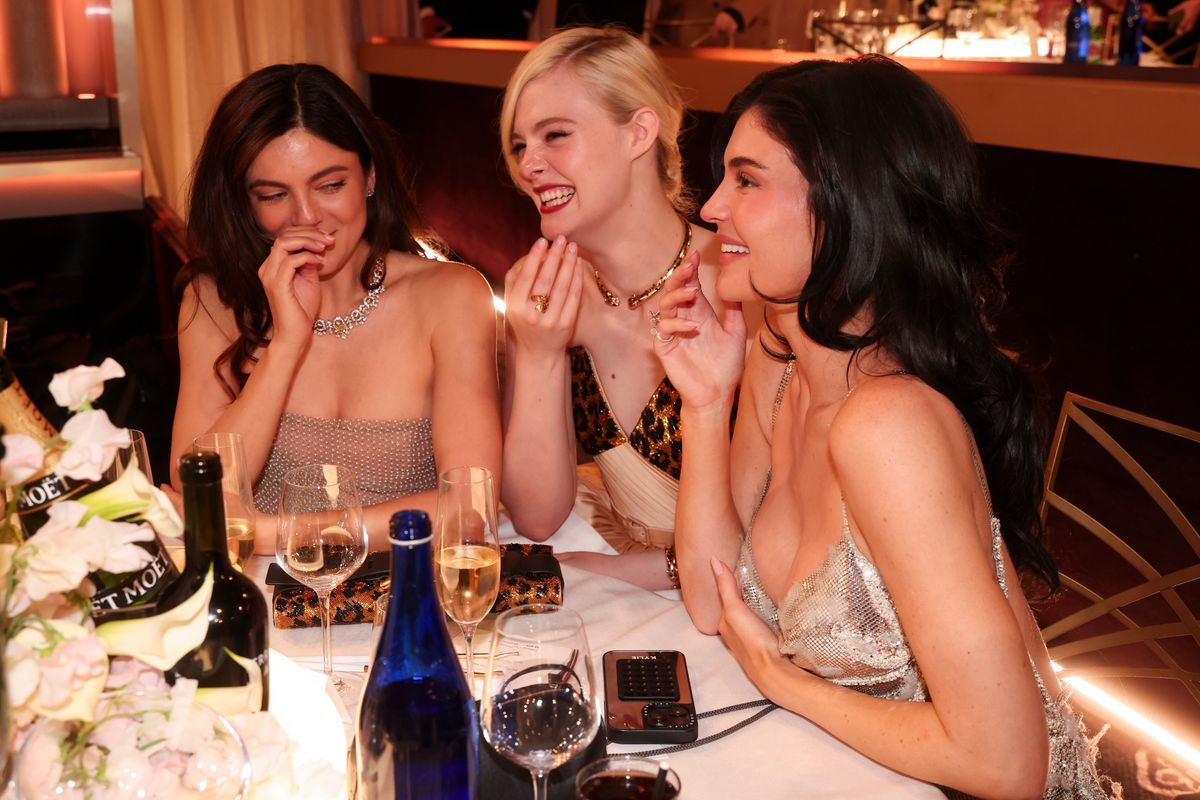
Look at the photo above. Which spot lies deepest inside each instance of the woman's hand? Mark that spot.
(289, 276)
(647, 568)
(542, 292)
(703, 356)
(745, 634)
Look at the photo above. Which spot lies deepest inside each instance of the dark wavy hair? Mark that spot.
(899, 232)
(221, 226)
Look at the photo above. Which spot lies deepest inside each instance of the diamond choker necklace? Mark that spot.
(341, 326)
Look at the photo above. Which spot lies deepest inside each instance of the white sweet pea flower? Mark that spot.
(23, 457)
(80, 386)
(69, 670)
(57, 558)
(93, 442)
(21, 668)
(119, 553)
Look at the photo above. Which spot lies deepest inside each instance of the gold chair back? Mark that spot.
(1129, 598)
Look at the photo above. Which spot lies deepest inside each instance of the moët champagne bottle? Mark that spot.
(1078, 34)
(114, 592)
(417, 730)
(233, 656)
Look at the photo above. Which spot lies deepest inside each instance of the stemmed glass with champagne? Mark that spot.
(541, 705)
(321, 539)
(466, 550)
(235, 489)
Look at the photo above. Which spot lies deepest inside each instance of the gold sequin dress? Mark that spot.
(628, 493)
(390, 458)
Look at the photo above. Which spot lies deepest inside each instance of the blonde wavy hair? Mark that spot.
(623, 74)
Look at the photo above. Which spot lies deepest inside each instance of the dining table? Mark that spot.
(780, 755)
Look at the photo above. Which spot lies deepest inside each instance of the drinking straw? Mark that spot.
(660, 782)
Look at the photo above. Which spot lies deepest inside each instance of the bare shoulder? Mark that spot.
(201, 306)
(439, 283)
(895, 420)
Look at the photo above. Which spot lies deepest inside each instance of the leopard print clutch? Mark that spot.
(529, 573)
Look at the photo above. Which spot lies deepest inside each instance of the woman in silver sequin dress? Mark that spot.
(881, 503)
(312, 324)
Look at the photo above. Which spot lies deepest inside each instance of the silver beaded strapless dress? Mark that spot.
(840, 623)
(390, 458)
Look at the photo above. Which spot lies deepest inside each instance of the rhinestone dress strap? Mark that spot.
(788, 370)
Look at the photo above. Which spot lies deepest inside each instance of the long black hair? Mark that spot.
(899, 232)
(261, 107)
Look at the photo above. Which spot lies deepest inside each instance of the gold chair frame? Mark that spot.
(1074, 412)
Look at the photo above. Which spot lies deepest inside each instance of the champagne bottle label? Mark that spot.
(114, 592)
(39, 494)
(19, 414)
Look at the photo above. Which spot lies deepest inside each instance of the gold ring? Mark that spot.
(540, 301)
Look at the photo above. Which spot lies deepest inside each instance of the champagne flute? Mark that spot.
(541, 704)
(466, 550)
(321, 540)
(135, 455)
(235, 489)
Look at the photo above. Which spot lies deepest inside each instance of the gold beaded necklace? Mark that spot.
(636, 300)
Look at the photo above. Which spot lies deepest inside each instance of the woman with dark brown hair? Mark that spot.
(311, 324)
(860, 543)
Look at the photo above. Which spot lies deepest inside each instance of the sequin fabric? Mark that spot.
(655, 437)
(390, 458)
(839, 622)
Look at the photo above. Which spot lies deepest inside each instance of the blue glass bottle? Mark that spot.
(1078, 34)
(1129, 49)
(418, 736)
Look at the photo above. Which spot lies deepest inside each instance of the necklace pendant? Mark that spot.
(340, 328)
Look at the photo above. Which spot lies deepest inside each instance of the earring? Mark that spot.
(371, 192)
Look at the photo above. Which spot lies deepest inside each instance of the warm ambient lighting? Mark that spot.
(1132, 718)
(86, 96)
(432, 252)
(98, 11)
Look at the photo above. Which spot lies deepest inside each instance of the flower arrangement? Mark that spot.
(88, 706)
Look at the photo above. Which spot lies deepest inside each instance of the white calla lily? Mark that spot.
(133, 496)
(161, 640)
(78, 387)
(236, 699)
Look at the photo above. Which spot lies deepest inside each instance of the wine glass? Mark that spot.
(135, 455)
(320, 539)
(466, 550)
(541, 704)
(235, 489)
(968, 25)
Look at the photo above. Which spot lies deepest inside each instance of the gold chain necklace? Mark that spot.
(637, 299)
(341, 326)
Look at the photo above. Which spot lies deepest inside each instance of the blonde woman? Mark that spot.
(590, 126)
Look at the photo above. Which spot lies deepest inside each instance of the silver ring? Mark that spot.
(654, 332)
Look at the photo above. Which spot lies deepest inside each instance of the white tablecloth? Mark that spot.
(779, 756)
